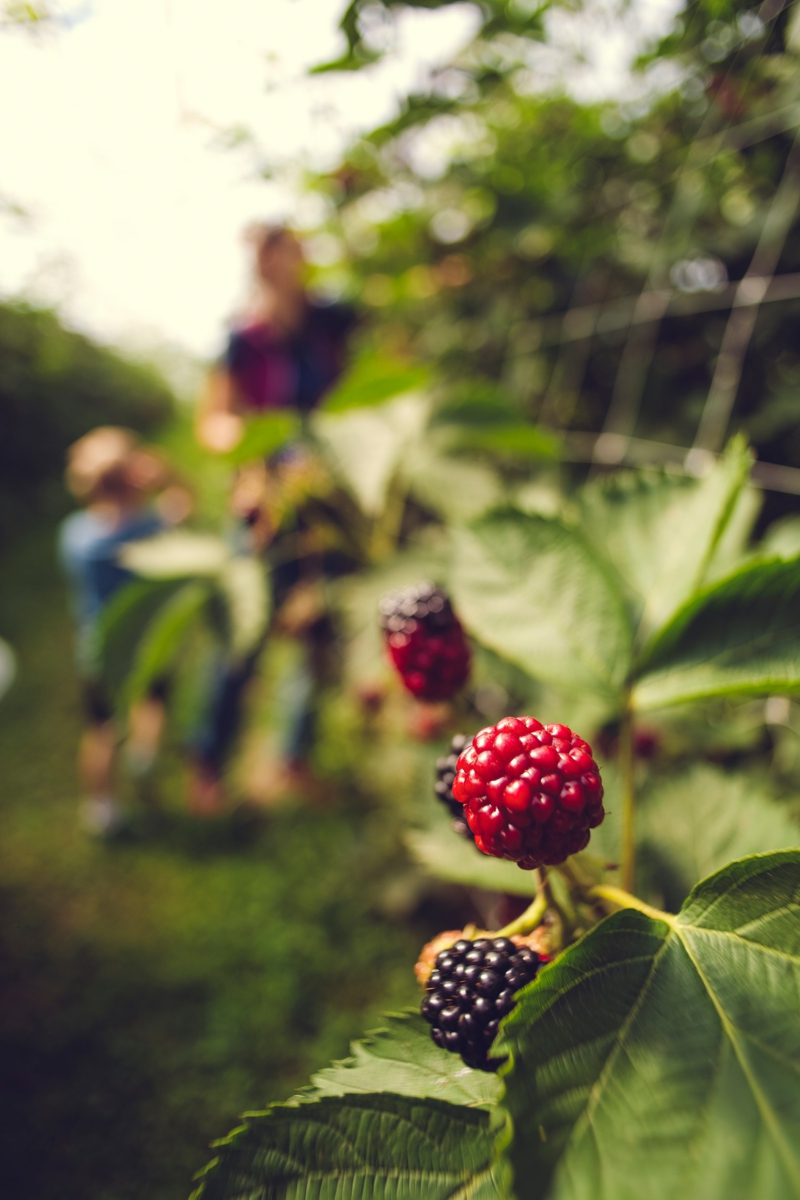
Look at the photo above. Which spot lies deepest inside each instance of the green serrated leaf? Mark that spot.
(659, 1059)
(163, 637)
(402, 1058)
(357, 1148)
(693, 824)
(264, 436)
(534, 591)
(662, 532)
(741, 635)
(177, 554)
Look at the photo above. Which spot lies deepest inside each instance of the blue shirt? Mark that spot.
(88, 545)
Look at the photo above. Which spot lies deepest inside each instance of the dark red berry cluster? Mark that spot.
(425, 641)
(470, 990)
(445, 775)
(531, 792)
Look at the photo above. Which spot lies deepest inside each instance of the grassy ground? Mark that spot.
(155, 990)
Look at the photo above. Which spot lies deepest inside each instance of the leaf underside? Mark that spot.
(660, 1060)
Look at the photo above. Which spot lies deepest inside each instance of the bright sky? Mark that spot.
(114, 141)
(114, 137)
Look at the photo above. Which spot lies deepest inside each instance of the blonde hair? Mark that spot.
(110, 463)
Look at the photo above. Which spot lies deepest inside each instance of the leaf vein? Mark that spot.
(768, 1115)
(735, 935)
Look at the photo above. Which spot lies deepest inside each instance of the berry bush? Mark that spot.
(567, 1035)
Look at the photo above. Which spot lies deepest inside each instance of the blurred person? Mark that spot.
(288, 350)
(116, 479)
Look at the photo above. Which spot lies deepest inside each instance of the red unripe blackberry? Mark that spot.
(425, 641)
(471, 988)
(445, 774)
(530, 792)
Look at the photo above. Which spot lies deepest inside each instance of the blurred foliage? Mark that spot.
(56, 385)
(153, 989)
(502, 231)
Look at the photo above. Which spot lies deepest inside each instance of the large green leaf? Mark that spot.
(660, 1059)
(365, 446)
(402, 1058)
(123, 624)
(742, 635)
(691, 825)
(176, 554)
(163, 638)
(357, 1148)
(662, 532)
(533, 590)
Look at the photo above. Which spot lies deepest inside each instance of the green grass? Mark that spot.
(155, 990)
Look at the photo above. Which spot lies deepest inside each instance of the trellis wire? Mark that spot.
(641, 316)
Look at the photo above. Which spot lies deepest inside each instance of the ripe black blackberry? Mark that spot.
(470, 990)
(445, 774)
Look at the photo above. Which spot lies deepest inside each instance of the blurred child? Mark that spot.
(115, 479)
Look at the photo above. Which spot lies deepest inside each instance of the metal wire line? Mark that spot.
(741, 322)
(649, 310)
(616, 316)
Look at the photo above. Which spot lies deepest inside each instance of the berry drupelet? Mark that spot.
(531, 792)
(445, 775)
(425, 641)
(470, 990)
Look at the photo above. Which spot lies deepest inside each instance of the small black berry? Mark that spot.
(445, 774)
(470, 990)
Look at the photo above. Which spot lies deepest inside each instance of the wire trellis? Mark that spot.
(638, 318)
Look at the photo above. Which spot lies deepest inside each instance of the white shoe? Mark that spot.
(102, 816)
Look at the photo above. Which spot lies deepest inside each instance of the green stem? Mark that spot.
(531, 917)
(616, 898)
(626, 768)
